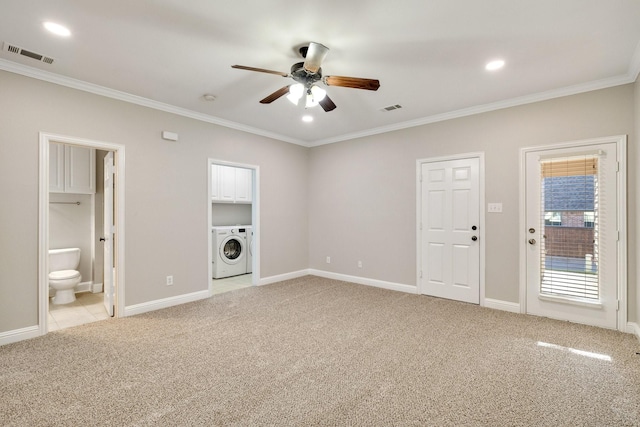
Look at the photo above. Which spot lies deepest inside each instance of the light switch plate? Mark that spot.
(494, 207)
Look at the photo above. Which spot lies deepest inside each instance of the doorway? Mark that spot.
(70, 184)
(573, 235)
(451, 227)
(233, 225)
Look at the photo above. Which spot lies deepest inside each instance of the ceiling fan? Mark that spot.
(307, 74)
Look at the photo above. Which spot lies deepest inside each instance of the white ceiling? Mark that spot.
(429, 56)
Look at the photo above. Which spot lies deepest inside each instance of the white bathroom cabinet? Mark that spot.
(72, 169)
(230, 184)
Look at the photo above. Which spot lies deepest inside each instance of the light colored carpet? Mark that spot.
(313, 351)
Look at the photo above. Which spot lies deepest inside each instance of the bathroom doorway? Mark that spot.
(81, 206)
(233, 225)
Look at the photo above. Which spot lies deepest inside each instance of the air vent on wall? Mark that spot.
(20, 51)
(391, 108)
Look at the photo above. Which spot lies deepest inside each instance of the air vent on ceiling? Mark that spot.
(391, 108)
(33, 55)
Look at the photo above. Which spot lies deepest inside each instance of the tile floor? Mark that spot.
(231, 283)
(88, 307)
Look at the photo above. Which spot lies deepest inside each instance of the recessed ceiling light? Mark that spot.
(307, 119)
(57, 29)
(494, 65)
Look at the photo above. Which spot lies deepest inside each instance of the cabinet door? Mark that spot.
(80, 170)
(56, 167)
(243, 185)
(215, 182)
(227, 186)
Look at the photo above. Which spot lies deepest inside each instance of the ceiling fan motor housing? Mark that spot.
(299, 74)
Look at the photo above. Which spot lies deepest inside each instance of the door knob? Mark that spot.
(102, 239)
(474, 227)
(474, 238)
(532, 241)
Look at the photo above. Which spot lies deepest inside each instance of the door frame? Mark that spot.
(255, 218)
(621, 219)
(43, 220)
(481, 225)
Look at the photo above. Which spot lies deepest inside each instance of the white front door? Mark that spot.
(108, 234)
(450, 221)
(571, 211)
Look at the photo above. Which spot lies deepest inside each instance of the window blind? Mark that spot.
(570, 220)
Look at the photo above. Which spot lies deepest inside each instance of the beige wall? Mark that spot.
(363, 204)
(354, 200)
(165, 197)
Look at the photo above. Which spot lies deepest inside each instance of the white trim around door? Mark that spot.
(481, 224)
(620, 220)
(43, 220)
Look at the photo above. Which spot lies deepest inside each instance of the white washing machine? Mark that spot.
(251, 247)
(229, 251)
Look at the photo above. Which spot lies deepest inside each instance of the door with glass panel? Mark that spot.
(572, 232)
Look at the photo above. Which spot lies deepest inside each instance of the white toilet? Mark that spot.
(63, 276)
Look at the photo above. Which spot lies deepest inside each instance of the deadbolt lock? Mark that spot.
(532, 230)
(532, 241)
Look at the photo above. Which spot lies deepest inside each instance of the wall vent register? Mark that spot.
(29, 54)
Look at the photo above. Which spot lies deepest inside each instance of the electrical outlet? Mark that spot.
(328, 260)
(169, 280)
(359, 264)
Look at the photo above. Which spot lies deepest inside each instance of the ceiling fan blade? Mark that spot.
(315, 55)
(275, 95)
(327, 104)
(352, 82)
(260, 70)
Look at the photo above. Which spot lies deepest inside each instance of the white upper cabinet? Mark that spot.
(227, 183)
(230, 184)
(243, 185)
(215, 182)
(72, 169)
(56, 167)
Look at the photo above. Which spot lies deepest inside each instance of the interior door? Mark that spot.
(108, 235)
(571, 228)
(450, 249)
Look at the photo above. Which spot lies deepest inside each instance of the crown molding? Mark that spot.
(629, 77)
(485, 108)
(58, 79)
(634, 65)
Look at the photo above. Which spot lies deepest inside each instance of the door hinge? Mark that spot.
(617, 166)
(420, 177)
(617, 305)
(618, 236)
(421, 274)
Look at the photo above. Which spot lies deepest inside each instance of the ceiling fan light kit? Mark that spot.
(307, 74)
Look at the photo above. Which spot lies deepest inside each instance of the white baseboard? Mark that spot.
(280, 277)
(144, 307)
(365, 281)
(633, 328)
(19, 334)
(96, 288)
(497, 304)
